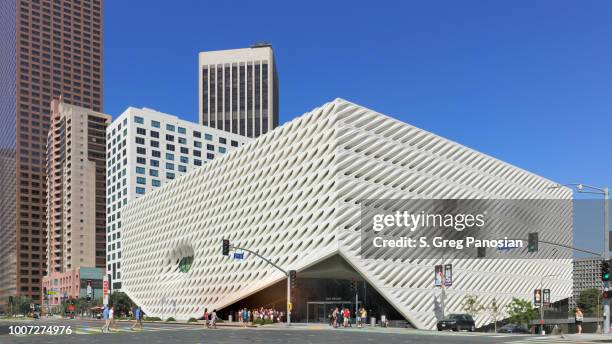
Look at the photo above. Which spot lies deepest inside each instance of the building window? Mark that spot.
(197, 134)
(155, 124)
(184, 160)
(197, 162)
(222, 150)
(155, 182)
(169, 166)
(141, 160)
(208, 137)
(197, 153)
(169, 127)
(169, 175)
(153, 173)
(197, 144)
(169, 156)
(184, 150)
(182, 130)
(182, 140)
(140, 140)
(182, 168)
(210, 156)
(141, 131)
(140, 170)
(141, 150)
(170, 147)
(156, 153)
(141, 180)
(154, 134)
(138, 120)
(234, 143)
(210, 147)
(154, 163)
(155, 144)
(169, 137)
(140, 191)
(222, 140)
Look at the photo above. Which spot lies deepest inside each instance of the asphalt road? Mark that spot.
(88, 331)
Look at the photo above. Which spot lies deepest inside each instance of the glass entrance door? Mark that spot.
(320, 311)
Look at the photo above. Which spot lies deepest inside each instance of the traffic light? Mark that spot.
(481, 252)
(532, 242)
(605, 270)
(226, 247)
(353, 286)
(292, 278)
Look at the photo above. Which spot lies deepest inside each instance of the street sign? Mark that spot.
(105, 290)
(238, 255)
(546, 297)
(537, 297)
(448, 275)
(438, 275)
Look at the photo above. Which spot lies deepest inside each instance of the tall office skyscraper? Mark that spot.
(239, 90)
(48, 48)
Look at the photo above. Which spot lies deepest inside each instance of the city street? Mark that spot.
(88, 331)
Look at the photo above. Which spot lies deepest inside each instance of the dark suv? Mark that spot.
(457, 322)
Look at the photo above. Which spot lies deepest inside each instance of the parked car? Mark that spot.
(512, 328)
(457, 322)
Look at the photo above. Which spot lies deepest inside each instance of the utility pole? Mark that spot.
(606, 256)
(288, 299)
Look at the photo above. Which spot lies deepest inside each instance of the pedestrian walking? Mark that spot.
(138, 322)
(213, 319)
(205, 317)
(245, 317)
(111, 318)
(578, 318)
(105, 315)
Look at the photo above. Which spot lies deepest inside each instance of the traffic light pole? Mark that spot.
(279, 268)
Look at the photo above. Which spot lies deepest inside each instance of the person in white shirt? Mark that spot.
(111, 318)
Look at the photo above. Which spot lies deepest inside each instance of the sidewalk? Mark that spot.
(588, 337)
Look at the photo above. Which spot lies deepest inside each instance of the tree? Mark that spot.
(495, 310)
(521, 312)
(588, 300)
(471, 305)
(18, 304)
(121, 302)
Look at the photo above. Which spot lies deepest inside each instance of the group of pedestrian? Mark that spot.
(210, 319)
(109, 318)
(342, 317)
(246, 316)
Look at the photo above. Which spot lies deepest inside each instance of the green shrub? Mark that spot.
(192, 320)
(268, 321)
(152, 319)
(219, 321)
(170, 319)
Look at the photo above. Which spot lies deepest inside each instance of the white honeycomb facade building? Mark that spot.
(293, 195)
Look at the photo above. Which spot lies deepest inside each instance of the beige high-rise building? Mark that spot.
(76, 183)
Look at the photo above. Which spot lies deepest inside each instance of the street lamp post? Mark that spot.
(605, 192)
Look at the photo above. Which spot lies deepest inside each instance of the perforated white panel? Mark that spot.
(293, 195)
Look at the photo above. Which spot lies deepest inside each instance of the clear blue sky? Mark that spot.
(528, 82)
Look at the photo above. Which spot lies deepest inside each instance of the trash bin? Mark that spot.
(372, 321)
